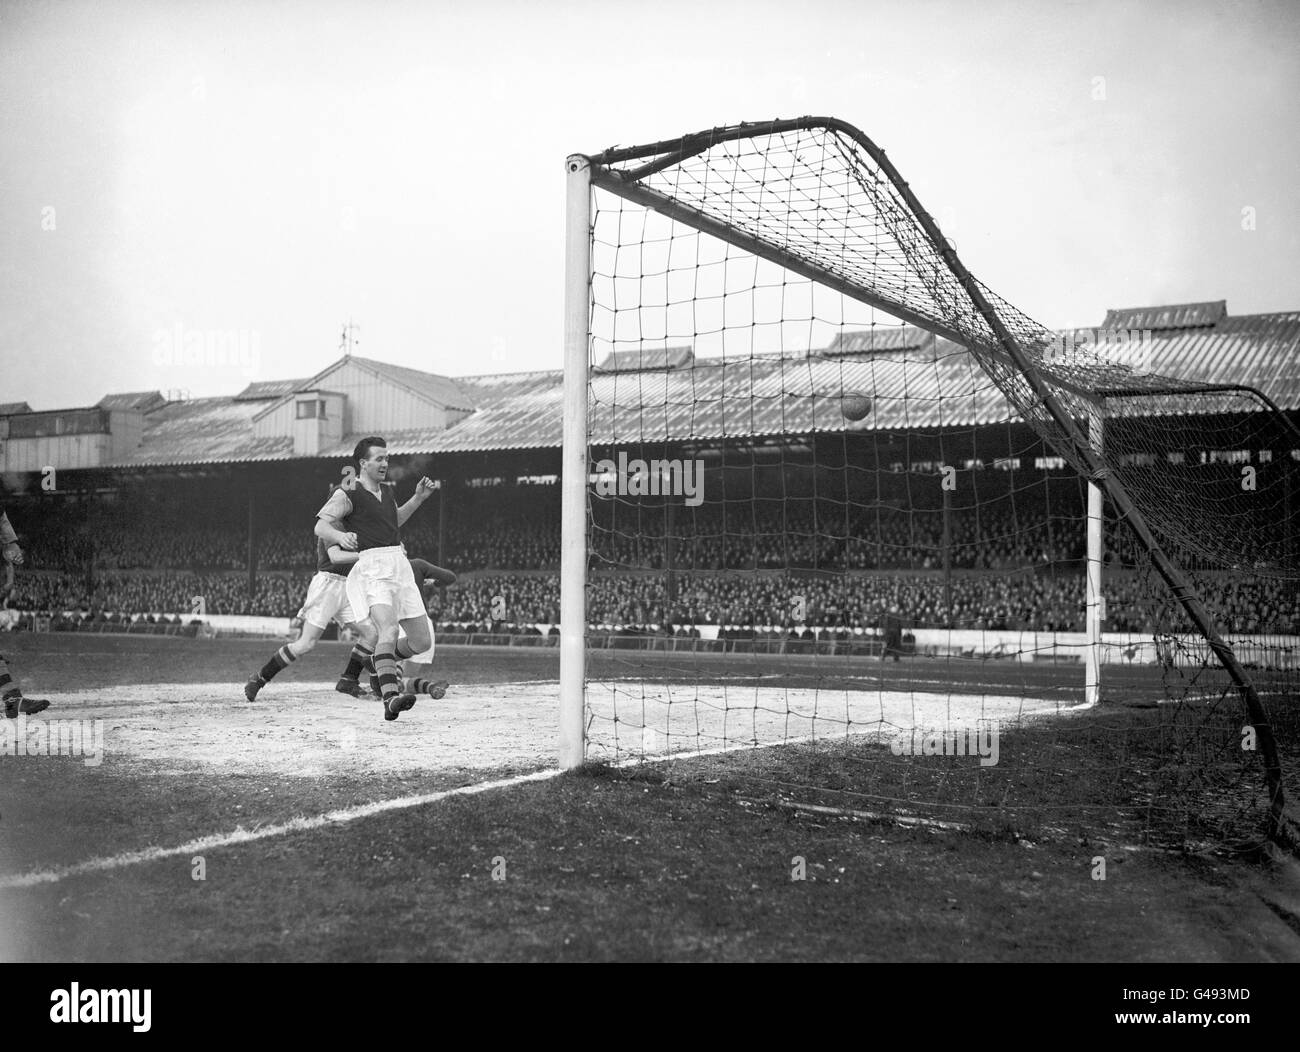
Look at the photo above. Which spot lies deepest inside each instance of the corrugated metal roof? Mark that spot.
(1262, 350)
(724, 398)
(204, 431)
(142, 400)
(936, 385)
(940, 386)
(647, 360)
(877, 339)
(490, 390)
(1170, 316)
(793, 395)
(262, 389)
(526, 415)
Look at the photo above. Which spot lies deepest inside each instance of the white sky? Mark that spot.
(276, 168)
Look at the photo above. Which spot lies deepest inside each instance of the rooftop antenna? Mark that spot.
(351, 337)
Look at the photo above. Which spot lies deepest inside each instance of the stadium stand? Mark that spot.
(215, 497)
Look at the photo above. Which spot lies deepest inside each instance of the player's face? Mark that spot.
(375, 469)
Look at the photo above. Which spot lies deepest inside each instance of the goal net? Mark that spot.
(842, 524)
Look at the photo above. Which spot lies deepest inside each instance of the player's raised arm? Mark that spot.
(440, 576)
(423, 491)
(428, 574)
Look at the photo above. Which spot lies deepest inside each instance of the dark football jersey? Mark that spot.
(325, 564)
(373, 519)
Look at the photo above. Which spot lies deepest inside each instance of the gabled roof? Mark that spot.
(1170, 316)
(142, 400)
(10, 408)
(648, 360)
(876, 340)
(263, 389)
(440, 389)
(437, 390)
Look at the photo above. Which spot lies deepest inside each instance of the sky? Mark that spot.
(269, 170)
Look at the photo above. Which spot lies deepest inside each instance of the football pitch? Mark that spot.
(193, 825)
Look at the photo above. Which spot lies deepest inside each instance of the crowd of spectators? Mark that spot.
(1016, 564)
(1018, 601)
(837, 537)
(973, 601)
(519, 530)
(274, 595)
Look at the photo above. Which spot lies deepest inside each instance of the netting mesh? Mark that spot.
(824, 199)
(868, 489)
(1214, 472)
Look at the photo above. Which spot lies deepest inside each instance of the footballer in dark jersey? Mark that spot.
(365, 518)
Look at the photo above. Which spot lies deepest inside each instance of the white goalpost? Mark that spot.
(573, 473)
(1094, 601)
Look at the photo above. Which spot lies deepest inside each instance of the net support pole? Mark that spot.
(947, 558)
(670, 554)
(442, 519)
(573, 471)
(251, 555)
(1093, 583)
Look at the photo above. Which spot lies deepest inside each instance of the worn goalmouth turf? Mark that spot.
(310, 730)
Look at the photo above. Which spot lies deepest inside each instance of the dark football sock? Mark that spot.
(279, 660)
(404, 650)
(358, 660)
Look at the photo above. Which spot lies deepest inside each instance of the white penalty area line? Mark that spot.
(246, 836)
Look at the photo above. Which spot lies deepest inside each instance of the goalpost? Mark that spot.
(573, 469)
(767, 309)
(1094, 596)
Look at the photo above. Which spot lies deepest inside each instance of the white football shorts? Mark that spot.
(327, 600)
(384, 575)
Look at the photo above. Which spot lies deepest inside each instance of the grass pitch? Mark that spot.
(306, 828)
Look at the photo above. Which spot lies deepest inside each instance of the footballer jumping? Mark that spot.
(381, 586)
